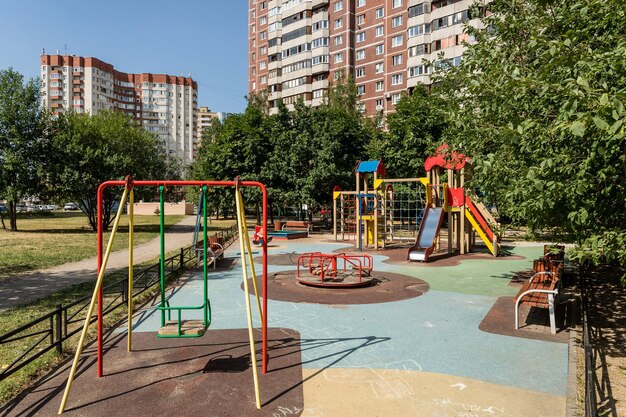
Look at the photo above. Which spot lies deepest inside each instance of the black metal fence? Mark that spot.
(49, 331)
(591, 407)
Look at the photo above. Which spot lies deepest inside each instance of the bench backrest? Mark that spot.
(294, 223)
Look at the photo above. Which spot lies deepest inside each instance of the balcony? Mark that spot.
(320, 3)
(77, 82)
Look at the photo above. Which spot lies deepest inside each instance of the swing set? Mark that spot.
(177, 328)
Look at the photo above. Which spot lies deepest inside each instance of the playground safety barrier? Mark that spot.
(52, 329)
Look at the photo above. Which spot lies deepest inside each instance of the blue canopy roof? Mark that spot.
(371, 166)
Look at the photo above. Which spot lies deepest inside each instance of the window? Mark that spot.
(360, 89)
(263, 35)
(416, 10)
(396, 41)
(322, 24)
(262, 65)
(263, 20)
(380, 12)
(263, 5)
(380, 31)
(318, 93)
(360, 19)
(418, 30)
(263, 50)
(338, 57)
(321, 59)
(396, 3)
(338, 40)
(338, 23)
(360, 54)
(263, 79)
(396, 79)
(380, 49)
(361, 3)
(379, 104)
(380, 67)
(338, 6)
(396, 60)
(395, 98)
(360, 37)
(380, 85)
(360, 72)
(396, 21)
(316, 43)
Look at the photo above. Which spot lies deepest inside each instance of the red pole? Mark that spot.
(100, 298)
(264, 324)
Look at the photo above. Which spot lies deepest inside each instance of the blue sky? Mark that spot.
(205, 38)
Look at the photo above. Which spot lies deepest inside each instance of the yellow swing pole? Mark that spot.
(131, 225)
(250, 258)
(241, 218)
(83, 334)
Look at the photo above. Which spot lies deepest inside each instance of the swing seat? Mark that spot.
(188, 328)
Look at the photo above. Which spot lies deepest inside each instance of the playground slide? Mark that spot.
(425, 242)
(481, 226)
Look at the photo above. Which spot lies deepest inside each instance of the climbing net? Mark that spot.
(404, 207)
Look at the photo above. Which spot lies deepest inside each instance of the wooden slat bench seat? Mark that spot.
(297, 225)
(541, 289)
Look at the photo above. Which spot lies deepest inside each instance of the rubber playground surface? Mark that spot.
(429, 340)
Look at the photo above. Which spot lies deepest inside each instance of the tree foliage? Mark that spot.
(85, 151)
(21, 139)
(300, 155)
(538, 102)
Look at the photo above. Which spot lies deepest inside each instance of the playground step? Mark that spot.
(187, 328)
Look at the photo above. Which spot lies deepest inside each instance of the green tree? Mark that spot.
(21, 139)
(538, 102)
(84, 151)
(418, 122)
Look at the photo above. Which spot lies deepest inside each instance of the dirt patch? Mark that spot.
(210, 375)
(386, 287)
(607, 319)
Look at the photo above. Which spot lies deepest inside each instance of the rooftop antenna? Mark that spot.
(65, 49)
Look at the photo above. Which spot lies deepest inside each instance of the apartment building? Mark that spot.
(163, 104)
(298, 47)
(206, 117)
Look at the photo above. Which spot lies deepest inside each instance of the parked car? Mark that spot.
(70, 207)
(3, 208)
(51, 207)
(21, 208)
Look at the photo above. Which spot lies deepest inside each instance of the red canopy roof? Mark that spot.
(445, 159)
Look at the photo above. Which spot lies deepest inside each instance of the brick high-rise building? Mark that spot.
(297, 47)
(165, 105)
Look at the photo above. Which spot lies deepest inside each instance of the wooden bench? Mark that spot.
(297, 225)
(214, 252)
(541, 289)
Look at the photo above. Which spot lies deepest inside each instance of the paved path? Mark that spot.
(28, 287)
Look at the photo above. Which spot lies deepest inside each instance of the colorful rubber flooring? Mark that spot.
(419, 356)
(422, 355)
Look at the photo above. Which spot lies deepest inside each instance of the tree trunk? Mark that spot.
(13, 215)
(2, 221)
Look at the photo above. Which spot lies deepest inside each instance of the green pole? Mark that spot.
(204, 214)
(162, 260)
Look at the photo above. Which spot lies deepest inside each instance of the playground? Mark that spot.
(335, 354)
(314, 326)
(290, 323)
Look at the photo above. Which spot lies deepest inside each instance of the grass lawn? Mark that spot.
(45, 241)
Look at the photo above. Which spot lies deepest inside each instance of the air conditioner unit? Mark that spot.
(379, 108)
(388, 96)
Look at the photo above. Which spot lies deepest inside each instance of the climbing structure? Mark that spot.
(381, 210)
(465, 216)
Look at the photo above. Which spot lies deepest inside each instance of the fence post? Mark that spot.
(182, 258)
(59, 328)
(124, 291)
